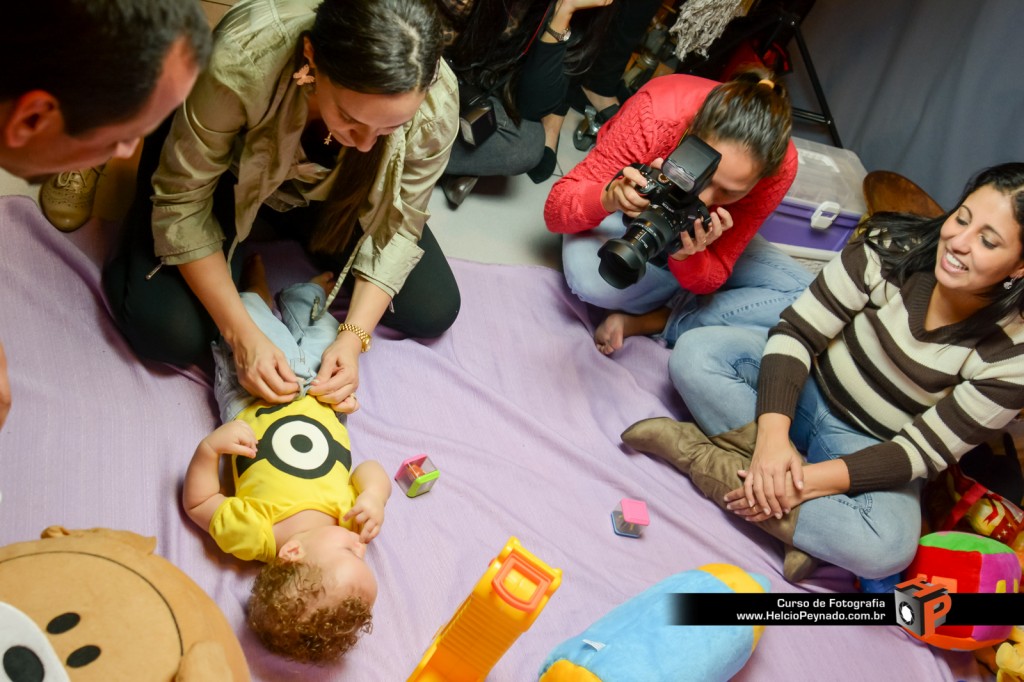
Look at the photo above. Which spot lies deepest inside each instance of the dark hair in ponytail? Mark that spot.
(752, 109)
(377, 47)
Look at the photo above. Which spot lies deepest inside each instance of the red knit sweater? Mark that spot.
(650, 125)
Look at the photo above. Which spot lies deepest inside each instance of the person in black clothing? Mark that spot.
(524, 73)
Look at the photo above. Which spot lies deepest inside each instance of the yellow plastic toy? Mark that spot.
(503, 605)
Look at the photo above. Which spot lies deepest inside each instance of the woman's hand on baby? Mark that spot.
(703, 236)
(336, 383)
(621, 193)
(368, 515)
(263, 368)
(234, 438)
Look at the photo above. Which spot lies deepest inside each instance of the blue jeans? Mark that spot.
(873, 534)
(763, 283)
(302, 342)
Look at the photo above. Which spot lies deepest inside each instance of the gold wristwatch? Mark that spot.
(358, 331)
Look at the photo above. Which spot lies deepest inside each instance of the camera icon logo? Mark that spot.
(921, 607)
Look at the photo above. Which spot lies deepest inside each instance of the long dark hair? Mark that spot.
(377, 47)
(492, 39)
(753, 110)
(907, 244)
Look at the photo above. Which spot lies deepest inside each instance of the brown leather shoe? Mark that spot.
(67, 198)
(457, 187)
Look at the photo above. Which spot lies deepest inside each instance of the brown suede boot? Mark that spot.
(712, 463)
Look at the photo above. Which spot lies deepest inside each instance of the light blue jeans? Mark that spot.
(763, 283)
(874, 534)
(302, 342)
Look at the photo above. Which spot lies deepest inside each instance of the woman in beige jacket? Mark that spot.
(330, 122)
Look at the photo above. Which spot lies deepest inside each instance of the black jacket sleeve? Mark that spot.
(542, 84)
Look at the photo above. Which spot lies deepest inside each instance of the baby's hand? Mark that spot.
(368, 513)
(234, 438)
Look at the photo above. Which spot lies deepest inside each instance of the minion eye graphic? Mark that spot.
(299, 446)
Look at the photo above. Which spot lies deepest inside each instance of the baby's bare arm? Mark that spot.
(201, 494)
(373, 488)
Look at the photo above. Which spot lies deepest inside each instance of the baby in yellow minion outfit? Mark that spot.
(296, 505)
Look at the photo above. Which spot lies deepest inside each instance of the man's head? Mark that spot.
(314, 600)
(82, 81)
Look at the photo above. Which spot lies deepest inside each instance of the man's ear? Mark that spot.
(291, 551)
(36, 113)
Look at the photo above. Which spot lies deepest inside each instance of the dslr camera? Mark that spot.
(674, 193)
(477, 120)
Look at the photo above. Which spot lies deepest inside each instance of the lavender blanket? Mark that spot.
(516, 407)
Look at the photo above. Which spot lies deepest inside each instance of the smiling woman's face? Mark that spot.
(980, 244)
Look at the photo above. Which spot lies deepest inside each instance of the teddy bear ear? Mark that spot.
(204, 662)
(54, 532)
(140, 543)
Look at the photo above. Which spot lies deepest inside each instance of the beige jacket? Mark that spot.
(246, 115)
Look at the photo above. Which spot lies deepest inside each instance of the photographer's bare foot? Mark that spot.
(617, 327)
(254, 278)
(610, 333)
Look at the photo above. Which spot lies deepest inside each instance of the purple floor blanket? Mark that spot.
(515, 406)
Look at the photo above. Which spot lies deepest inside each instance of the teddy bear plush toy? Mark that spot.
(99, 605)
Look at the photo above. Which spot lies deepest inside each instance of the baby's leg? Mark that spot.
(296, 303)
(254, 279)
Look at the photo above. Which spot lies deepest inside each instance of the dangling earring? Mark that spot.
(327, 140)
(1008, 284)
(303, 77)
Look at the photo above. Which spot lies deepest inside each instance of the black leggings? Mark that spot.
(163, 320)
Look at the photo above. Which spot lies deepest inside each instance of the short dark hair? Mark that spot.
(101, 59)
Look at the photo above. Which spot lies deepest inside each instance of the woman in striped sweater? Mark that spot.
(914, 343)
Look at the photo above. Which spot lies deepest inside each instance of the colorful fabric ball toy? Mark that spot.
(964, 562)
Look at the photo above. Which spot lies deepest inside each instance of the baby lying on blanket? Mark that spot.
(298, 504)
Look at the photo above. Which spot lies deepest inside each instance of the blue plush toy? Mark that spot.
(635, 643)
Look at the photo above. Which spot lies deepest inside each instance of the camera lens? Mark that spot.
(620, 265)
(623, 261)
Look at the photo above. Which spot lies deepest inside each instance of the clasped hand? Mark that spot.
(621, 195)
(772, 485)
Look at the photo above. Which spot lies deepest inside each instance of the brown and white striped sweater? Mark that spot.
(929, 397)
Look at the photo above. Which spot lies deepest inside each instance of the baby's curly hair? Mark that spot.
(281, 612)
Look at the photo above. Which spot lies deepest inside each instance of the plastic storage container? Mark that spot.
(824, 205)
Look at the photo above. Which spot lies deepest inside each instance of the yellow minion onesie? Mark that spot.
(303, 460)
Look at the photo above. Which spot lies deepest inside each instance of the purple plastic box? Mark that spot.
(822, 208)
